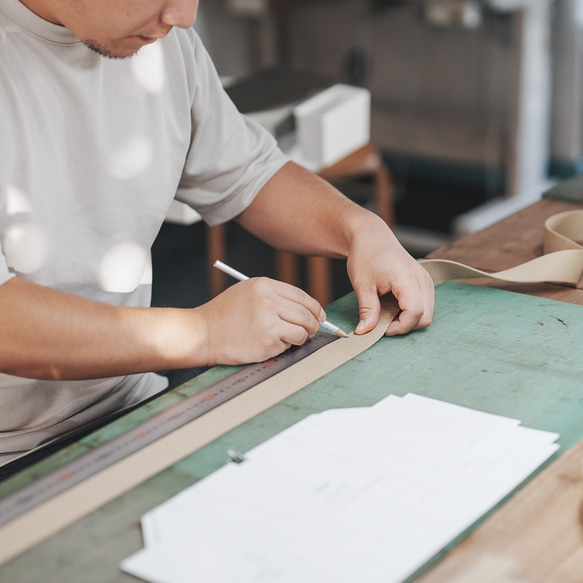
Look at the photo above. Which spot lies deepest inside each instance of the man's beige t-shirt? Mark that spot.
(92, 152)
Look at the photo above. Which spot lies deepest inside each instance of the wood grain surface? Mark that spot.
(537, 536)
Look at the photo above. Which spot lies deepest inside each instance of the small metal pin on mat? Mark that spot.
(235, 455)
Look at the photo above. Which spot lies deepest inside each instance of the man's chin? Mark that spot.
(113, 52)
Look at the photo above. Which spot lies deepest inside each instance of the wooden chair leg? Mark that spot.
(286, 267)
(320, 279)
(384, 196)
(216, 249)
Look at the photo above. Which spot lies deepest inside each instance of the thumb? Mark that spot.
(369, 309)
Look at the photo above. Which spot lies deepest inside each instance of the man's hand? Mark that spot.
(298, 212)
(378, 264)
(257, 319)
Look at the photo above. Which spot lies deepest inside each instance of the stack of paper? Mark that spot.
(347, 495)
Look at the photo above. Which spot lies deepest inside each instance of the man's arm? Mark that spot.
(297, 211)
(48, 334)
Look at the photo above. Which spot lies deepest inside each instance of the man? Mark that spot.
(109, 110)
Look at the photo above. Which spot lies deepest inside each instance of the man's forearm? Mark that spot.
(47, 334)
(299, 212)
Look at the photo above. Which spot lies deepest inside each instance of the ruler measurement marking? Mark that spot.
(145, 433)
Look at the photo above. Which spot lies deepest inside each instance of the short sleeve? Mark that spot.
(231, 157)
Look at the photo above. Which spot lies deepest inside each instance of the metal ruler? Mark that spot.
(161, 424)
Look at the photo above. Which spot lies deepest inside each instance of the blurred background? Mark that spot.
(475, 110)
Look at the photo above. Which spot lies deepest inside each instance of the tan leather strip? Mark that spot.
(47, 519)
(563, 231)
(563, 267)
(562, 262)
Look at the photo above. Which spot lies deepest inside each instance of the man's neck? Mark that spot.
(41, 8)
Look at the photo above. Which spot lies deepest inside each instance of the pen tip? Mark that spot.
(341, 333)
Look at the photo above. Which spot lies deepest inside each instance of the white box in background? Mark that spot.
(333, 124)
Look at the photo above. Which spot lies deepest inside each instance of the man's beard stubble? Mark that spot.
(101, 50)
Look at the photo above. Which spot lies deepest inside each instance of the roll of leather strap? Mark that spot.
(563, 231)
(562, 262)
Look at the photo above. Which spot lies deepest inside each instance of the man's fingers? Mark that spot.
(413, 315)
(301, 318)
(369, 309)
(406, 321)
(292, 315)
(299, 296)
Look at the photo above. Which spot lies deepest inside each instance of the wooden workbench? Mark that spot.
(528, 379)
(537, 536)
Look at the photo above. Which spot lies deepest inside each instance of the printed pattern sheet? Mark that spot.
(366, 494)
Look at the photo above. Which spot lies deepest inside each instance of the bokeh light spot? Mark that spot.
(16, 201)
(131, 158)
(26, 247)
(148, 68)
(123, 267)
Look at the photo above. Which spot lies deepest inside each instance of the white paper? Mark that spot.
(364, 494)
